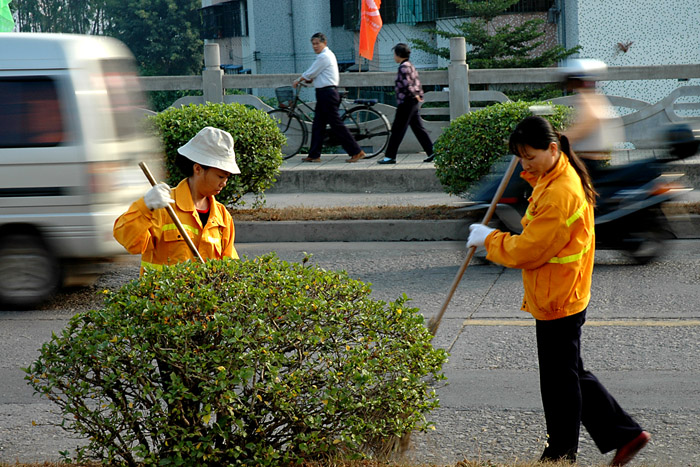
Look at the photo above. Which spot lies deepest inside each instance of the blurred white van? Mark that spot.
(71, 138)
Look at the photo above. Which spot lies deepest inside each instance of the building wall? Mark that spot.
(633, 33)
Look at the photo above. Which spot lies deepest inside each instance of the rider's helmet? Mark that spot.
(583, 72)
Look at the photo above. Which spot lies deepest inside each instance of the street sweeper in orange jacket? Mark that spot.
(207, 160)
(556, 254)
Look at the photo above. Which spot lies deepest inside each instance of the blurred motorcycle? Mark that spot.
(628, 214)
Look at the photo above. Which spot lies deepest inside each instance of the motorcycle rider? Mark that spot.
(596, 129)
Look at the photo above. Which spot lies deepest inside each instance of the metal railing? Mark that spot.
(458, 78)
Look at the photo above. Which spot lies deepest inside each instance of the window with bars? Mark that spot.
(408, 11)
(417, 11)
(351, 14)
(228, 19)
(337, 16)
(447, 9)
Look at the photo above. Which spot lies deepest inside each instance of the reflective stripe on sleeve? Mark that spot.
(570, 258)
(576, 215)
(569, 221)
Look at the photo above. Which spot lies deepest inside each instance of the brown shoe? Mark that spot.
(311, 159)
(356, 157)
(629, 450)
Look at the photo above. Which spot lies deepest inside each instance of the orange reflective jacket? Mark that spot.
(154, 235)
(556, 248)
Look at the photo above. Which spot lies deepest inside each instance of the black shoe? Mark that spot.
(569, 457)
(386, 160)
(429, 158)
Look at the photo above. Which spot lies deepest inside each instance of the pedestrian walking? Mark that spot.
(324, 75)
(207, 160)
(555, 252)
(409, 97)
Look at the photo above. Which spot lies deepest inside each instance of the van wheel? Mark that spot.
(29, 273)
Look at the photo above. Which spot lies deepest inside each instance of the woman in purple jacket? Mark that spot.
(409, 96)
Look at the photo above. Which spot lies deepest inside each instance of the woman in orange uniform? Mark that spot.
(208, 160)
(556, 253)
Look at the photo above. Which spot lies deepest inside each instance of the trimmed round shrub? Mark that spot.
(257, 143)
(259, 362)
(473, 142)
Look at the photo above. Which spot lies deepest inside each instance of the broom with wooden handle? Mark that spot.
(173, 216)
(435, 320)
(399, 444)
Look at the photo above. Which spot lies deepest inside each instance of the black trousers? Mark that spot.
(326, 113)
(572, 396)
(408, 114)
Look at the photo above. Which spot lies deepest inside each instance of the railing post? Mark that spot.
(212, 75)
(458, 77)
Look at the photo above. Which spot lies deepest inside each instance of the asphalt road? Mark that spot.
(641, 340)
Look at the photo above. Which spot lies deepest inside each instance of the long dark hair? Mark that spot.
(186, 165)
(538, 133)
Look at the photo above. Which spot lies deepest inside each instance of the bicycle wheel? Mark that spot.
(292, 128)
(370, 129)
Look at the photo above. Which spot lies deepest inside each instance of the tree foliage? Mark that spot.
(162, 34)
(506, 46)
(62, 16)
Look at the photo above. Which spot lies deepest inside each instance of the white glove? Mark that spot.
(158, 197)
(478, 234)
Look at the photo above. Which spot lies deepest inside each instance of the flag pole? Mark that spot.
(359, 72)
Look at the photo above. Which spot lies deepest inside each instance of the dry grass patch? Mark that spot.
(435, 212)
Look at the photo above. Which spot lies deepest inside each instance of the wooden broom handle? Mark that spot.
(173, 216)
(435, 321)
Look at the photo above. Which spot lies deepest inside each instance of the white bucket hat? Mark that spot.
(212, 147)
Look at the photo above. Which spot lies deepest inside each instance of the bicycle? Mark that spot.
(369, 127)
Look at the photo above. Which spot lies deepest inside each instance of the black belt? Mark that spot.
(328, 87)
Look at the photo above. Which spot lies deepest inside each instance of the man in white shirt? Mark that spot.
(323, 73)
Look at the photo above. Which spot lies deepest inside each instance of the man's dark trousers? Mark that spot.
(407, 114)
(326, 112)
(572, 396)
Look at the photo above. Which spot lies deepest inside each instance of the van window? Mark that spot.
(125, 95)
(31, 114)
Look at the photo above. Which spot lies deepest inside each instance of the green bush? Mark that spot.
(258, 362)
(472, 143)
(257, 143)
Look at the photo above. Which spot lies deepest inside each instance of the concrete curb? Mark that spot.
(351, 231)
(683, 226)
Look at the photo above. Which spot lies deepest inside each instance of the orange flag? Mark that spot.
(370, 25)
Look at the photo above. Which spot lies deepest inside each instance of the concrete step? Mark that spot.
(334, 175)
(410, 174)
